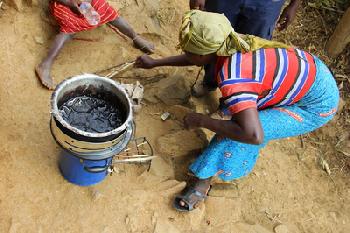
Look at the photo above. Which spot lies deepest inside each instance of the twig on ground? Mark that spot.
(118, 32)
(120, 69)
(301, 141)
(86, 39)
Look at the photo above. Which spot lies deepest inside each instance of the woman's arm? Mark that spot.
(147, 62)
(245, 128)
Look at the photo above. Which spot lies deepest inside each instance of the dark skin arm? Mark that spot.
(245, 128)
(288, 15)
(146, 62)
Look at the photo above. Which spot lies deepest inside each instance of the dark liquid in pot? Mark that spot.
(91, 114)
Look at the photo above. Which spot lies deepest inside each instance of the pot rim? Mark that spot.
(58, 117)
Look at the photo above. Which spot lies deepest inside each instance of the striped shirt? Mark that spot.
(264, 78)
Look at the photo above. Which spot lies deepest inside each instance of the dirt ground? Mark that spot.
(288, 191)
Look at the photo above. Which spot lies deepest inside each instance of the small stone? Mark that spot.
(96, 194)
(179, 111)
(281, 229)
(127, 220)
(138, 91)
(165, 116)
(154, 218)
(205, 134)
(38, 39)
(333, 215)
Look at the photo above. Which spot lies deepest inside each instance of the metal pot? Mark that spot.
(86, 145)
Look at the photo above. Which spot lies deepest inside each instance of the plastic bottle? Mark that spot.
(89, 13)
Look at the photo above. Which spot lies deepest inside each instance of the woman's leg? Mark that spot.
(232, 160)
(122, 25)
(44, 68)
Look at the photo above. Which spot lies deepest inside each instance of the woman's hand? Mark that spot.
(145, 62)
(193, 120)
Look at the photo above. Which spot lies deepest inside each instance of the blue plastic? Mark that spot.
(83, 172)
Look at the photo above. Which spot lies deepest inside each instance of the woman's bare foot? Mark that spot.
(143, 45)
(43, 73)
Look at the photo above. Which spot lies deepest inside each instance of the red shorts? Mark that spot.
(70, 22)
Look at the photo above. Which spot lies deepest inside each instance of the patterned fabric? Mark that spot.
(232, 160)
(70, 22)
(265, 78)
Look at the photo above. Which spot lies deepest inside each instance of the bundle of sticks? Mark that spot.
(138, 151)
(114, 70)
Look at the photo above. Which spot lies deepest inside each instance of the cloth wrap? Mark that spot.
(204, 33)
(71, 22)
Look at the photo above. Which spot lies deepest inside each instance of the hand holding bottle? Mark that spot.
(89, 13)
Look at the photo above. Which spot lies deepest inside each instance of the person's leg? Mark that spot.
(194, 193)
(231, 10)
(259, 18)
(44, 68)
(122, 25)
(208, 84)
(232, 160)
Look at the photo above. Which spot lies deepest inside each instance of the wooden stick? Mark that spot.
(134, 160)
(86, 39)
(114, 67)
(118, 32)
(132, 156)
(121, 69)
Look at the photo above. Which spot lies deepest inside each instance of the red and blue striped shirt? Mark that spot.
(264, 78)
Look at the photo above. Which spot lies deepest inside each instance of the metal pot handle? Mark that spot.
(97, 169)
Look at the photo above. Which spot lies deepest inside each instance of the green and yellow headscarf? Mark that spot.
(204, 33)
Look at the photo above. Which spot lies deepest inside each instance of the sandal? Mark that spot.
(187, 196)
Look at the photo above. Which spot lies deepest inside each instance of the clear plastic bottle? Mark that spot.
(89, 13)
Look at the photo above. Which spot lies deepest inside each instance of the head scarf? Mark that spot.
(204, 33)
